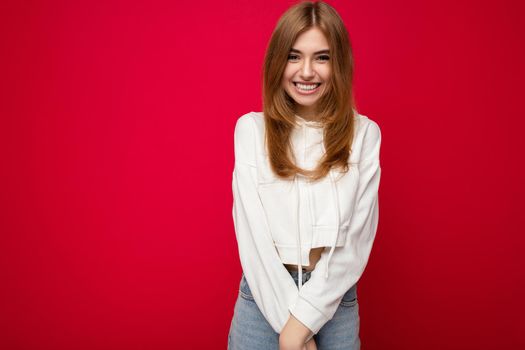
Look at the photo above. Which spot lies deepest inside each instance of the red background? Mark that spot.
(117, 153)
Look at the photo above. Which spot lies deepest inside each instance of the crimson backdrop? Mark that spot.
(117, 153)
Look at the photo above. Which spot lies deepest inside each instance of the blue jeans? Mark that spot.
(249, 330)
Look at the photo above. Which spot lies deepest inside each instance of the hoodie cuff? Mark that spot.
(308, 315)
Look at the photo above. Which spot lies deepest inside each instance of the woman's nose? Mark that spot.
(306, 70)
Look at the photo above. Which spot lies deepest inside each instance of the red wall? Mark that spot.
(116, 146)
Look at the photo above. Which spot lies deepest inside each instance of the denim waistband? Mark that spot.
(295, 275)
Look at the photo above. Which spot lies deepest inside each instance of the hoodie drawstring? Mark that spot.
(337, 218)
(299, 257)
(336, 199)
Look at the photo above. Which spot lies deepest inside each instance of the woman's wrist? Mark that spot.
(295, 331)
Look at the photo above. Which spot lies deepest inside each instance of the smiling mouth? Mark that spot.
(306, 87)
(308, 84)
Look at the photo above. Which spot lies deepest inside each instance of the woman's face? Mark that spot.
(307, 71)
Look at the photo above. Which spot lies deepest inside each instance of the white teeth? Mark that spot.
(307, 87)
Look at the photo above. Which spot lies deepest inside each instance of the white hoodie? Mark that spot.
(274, 217)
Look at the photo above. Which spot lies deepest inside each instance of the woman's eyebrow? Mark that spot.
(315, 53)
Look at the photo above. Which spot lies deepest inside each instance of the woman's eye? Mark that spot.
(296, 57)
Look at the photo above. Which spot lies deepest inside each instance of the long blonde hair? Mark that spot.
(335, 107)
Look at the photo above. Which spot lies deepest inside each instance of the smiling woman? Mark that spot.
(305, 188)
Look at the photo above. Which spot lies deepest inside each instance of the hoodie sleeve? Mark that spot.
(320, 297)
(272, 286)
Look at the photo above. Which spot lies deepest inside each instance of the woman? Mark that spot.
(305, 187)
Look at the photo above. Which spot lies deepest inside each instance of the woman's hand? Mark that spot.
(294, 335)
(290, 344)
(311, 345)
